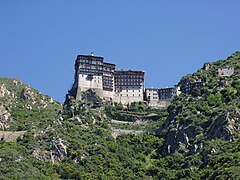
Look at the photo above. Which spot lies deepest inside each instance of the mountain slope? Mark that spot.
(24, 108)
(197, 137)
(24, 112)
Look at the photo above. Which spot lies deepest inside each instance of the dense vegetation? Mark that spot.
(197, 137)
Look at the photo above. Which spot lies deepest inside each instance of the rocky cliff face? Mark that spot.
(5, 118)
(3, 91)
(188, 137)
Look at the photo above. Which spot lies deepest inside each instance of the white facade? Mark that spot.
(129, 94)
(225, 71)
(152, 96)
(109, 95)
(86, 82)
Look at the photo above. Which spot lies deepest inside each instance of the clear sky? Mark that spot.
(40, 39)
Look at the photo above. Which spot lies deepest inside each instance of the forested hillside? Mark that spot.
(197, 137)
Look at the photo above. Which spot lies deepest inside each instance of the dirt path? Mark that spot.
(128, 122)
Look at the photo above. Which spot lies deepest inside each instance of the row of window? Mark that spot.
(92, 61)
(129, 77)
(91, 71)
(128, 80)
(91, 67)
(154, 94)
(127, 87)
(128, 84)
(152, 90)
(127, 91)
(161, 90)
(128, 95)
(94, 77)
(108, 69)
(108, 78)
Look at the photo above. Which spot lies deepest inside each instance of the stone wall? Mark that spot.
(85, 82)
(161, 104)
(226, 71)
(109, 96)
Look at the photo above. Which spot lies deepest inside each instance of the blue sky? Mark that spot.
(39, 40)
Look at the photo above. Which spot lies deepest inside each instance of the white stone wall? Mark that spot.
(226, 71)
(129, 94)
(164, 103)
(109, 95)
(84, 84)
(161, 104)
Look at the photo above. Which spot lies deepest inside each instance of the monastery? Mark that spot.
(125, 86)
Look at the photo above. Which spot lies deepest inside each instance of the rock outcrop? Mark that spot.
(5, 118)
(225, 127)
(3, 91)
(59, 150)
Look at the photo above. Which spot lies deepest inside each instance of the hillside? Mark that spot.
(24, 114)
(197, 137)
(206, 113)
(24, 108)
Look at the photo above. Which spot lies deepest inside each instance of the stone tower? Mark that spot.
(91, 72)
